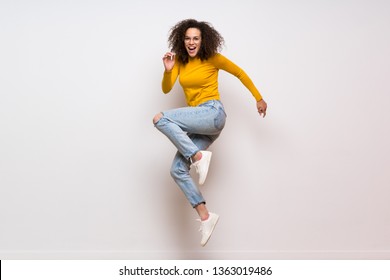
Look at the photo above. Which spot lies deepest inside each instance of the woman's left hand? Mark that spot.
(262, 107)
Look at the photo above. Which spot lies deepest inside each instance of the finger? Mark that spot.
(262, 112)
(167, 55)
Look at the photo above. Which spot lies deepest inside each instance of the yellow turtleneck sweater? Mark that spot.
(199, 79)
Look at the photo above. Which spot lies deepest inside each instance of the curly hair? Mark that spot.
(212, 41)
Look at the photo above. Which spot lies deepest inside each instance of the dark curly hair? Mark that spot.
(212, 41)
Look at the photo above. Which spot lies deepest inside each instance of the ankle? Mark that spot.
(197, 157)
(205, 217)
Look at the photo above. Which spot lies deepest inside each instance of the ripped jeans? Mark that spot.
(191, 129)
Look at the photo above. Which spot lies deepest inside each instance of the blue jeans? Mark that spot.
(191, 129)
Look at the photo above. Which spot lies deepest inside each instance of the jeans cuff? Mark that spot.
(203, 202)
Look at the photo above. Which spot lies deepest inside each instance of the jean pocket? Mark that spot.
(220, 119)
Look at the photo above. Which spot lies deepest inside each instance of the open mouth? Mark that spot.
(191, 49)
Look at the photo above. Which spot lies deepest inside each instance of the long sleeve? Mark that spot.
(225, 64)
(169, 78)
(199, 79)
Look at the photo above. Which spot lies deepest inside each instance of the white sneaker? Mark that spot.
(202, 166)
(207, 227)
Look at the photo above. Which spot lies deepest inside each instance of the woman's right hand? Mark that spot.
(169, 61)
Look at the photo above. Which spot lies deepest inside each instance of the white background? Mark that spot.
(210, 269)
(84, 174)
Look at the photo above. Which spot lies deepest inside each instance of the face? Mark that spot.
(192, 41)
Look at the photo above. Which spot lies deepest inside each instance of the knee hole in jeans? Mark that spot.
(157, 117)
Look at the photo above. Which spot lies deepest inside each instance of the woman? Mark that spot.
(195, 60)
